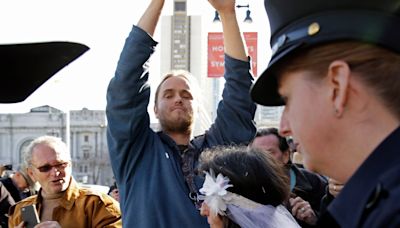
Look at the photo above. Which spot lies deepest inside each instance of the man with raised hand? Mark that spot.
(155, 171)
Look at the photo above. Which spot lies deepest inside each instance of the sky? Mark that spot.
(103, 26)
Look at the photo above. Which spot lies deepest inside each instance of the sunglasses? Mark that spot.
(47, 168)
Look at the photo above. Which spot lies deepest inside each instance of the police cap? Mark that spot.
(299, 24)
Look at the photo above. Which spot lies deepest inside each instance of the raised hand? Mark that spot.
(234, 45)
(223, 6)
(150, 17)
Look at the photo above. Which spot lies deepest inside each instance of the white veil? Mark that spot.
(244, 212)
(266, 216)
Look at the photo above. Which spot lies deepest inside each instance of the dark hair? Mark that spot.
(254, 174)
(283, 144)
(8, 167)
(112, 187)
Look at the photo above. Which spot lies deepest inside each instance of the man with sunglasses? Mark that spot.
(60, 201)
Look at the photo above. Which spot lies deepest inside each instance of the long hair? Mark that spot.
(254, 174)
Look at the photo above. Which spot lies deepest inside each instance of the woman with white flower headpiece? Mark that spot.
(244, 187)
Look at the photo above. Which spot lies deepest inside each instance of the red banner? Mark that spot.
(251, 43)
(216, 52)
(215, 55)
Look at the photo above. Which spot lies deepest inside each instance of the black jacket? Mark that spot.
(13, 190)
(371, 197)
(310, 187)
(6, 201)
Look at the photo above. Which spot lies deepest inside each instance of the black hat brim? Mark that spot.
(25, 67)
(265, 90)
(371, 27)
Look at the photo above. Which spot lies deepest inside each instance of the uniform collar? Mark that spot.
(347, 209)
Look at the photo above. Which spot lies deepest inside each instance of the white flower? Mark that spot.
(214, 190)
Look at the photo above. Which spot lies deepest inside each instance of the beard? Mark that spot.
(180, 125)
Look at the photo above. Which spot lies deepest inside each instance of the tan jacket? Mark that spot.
(78, 208)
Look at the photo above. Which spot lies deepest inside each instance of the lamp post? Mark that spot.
(247, 19)
(213, 50)
(216, 17)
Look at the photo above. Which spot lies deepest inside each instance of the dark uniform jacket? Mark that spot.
(371, 197)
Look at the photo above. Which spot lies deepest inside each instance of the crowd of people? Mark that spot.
(307, 188)
(332, 163)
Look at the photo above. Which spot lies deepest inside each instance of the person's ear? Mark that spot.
(31, 175)
(204, 210)
(338, 76)
(285, 156)
(155, 110)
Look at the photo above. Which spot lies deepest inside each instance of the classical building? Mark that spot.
(83, 130)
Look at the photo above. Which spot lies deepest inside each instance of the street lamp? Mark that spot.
(247, 19)
(216, 17)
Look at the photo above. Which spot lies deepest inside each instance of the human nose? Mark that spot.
(55, 170)
(204, 210)
(178, 99)
(284, 125)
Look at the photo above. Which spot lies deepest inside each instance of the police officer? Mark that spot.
(336, 67)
